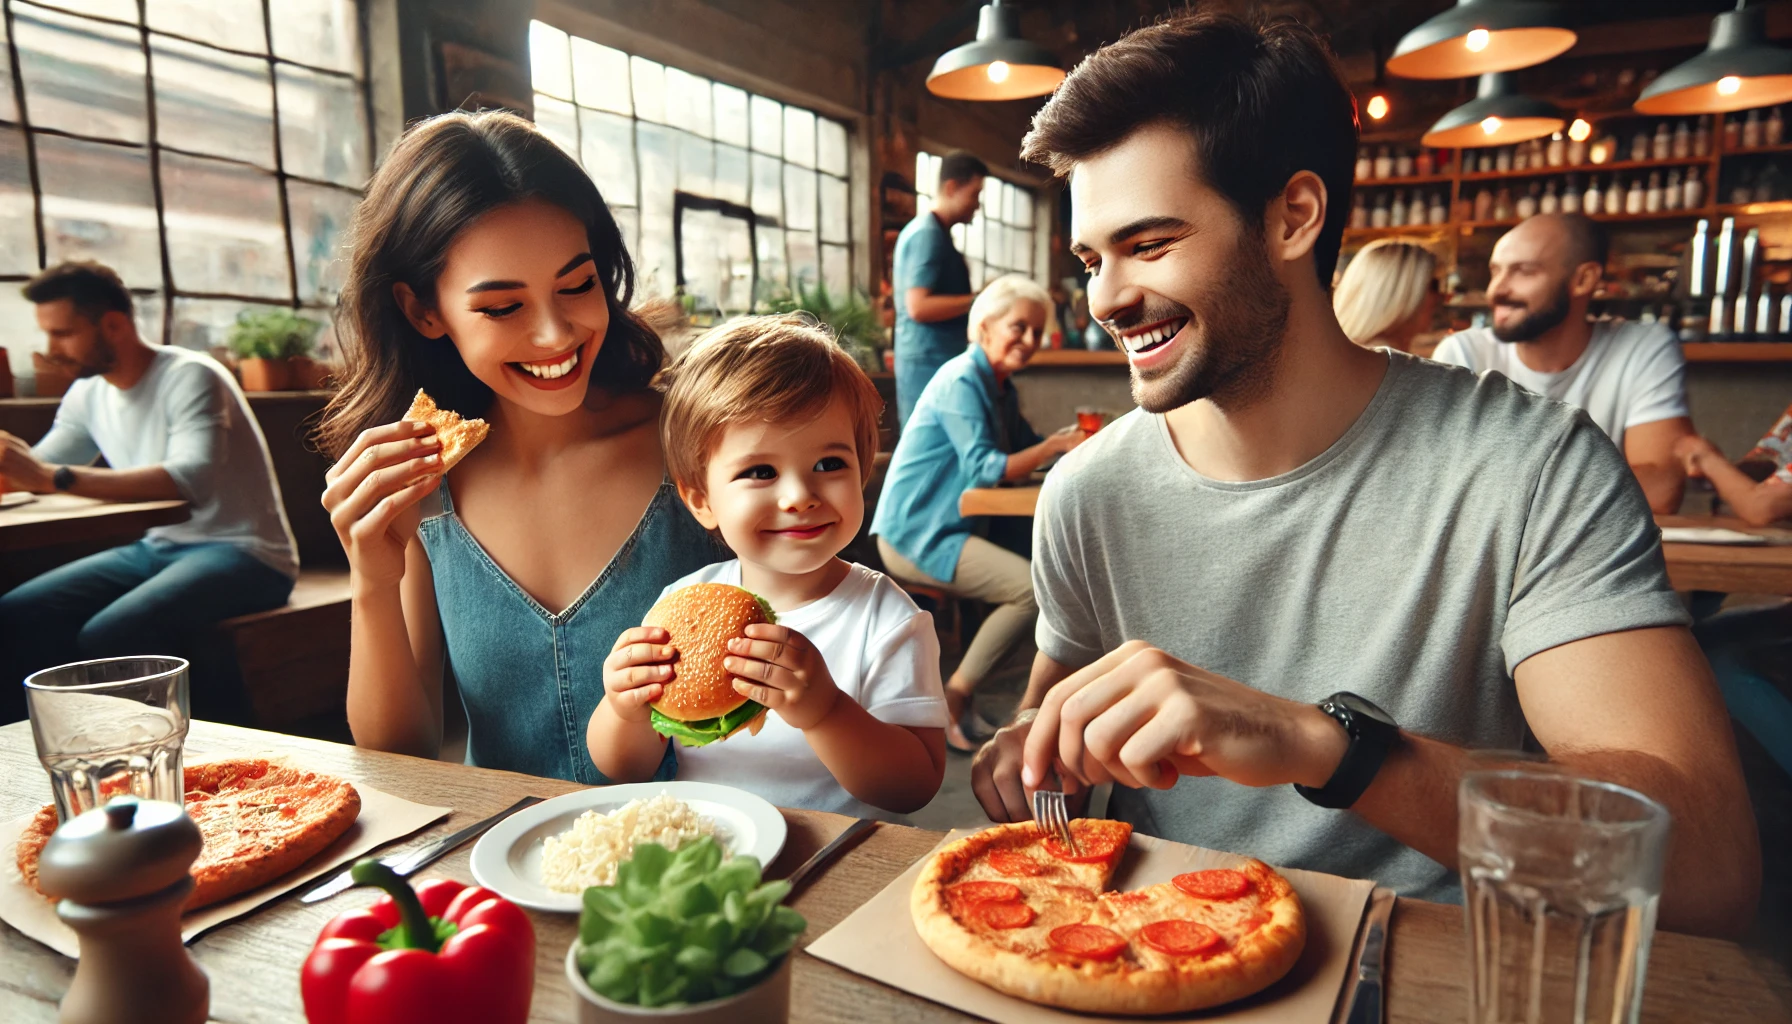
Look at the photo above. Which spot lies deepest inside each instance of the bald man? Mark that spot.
(1629, 377)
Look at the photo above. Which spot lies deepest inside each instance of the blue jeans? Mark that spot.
(1737, 642)
(143, 598)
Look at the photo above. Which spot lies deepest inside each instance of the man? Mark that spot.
(1289, 515)
(171, 424)
(1629, 377)
(931, 282)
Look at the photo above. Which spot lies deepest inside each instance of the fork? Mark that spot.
(1053, 818)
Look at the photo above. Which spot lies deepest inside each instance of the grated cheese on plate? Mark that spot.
(587, 853)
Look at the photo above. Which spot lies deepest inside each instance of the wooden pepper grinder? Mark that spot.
(121, 873)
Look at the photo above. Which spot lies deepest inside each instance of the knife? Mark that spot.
(1366, 994)
(822, 855)
(407, 864)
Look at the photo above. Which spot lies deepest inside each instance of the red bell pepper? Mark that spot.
(443, 954)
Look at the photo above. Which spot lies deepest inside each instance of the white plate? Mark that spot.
(507, 859)
(13, 499)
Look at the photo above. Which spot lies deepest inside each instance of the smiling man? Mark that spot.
(1283, 601)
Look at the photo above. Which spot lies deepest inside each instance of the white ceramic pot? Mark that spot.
(768, 1001)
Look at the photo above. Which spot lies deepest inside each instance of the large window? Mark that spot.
(999, 239)
(725, 196)
(210, 151)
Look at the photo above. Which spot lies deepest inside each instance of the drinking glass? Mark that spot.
(110, 727)
(1561, 877)
(1088, 420)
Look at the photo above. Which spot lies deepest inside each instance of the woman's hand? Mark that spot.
(1062, 441)
(372, 494)
(1691, 449)
(780, 668)
(637, 671)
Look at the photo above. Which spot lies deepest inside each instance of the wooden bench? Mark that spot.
(294, 660)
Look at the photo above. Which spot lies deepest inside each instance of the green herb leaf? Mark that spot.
(787, 921)
(743, 964)
(651, 929)
(774, 944)
(694, 900)
(734, 908)
(697, 962)
(613, 978)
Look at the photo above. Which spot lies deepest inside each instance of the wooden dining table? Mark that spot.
(49, 520)
(254, 961)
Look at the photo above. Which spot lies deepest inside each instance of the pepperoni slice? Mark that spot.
(1098, 840)
(1218, 884)
(1004, 915)
(1091, 942)
(1180, 938)
(982, 892)
(1013, 862)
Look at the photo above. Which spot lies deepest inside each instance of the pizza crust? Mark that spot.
(458, 436)
(1141, 980)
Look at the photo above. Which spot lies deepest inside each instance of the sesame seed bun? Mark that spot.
(702, 618)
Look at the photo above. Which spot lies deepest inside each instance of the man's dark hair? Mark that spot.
(1262, 100)
(94, 287)
(1588, 241)
(959, 167)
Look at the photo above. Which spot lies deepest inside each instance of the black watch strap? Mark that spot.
(63, 478)
(1371, 737)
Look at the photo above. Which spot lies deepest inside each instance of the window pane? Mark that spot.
(959, 234)
(696, 165)
(768, 126)
(204, 324)
(1023, 208)
(608, 153)
(557, 121)
(737, 266)
(18, 319)
(799, 137)
(600, 76)
(224, 232)
(657, 149)
(323, 126)
(979, 275)
(687, 103)
(1022, 240)
(731, 115)
(18, 220)
(774, 269)
(147, 312)
(990, 203)
(550, 63)
(927, 174)
(731, 174)
(214, 102)
(322, 33)
(805, 260)
(830, 146)
(833, 210)
(98, 205)
(319, 217)
(799, 199)
(649, 83)
(655, 269)
(121, 10)
(8, 109)
(628, 222)
(974, 237)
(768, 186)
(82, 76)
(233, 23)
(995, 244)
(836, 270)
(717, 262)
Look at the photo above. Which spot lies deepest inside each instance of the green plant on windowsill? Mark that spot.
(850, 317)
(272, 334)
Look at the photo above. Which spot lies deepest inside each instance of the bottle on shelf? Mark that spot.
(1701, 137)
(1397, 209)
(1732, 134)
(1639, 146)
(1423, 165)
(1439, 212)
(1775, 129)
(1484, 204)
(1502, 158)
(1527, 203)
(1614, 197)
(1662, 146)
(1550, 203)
(1682, 145)
(1577, 152)
(1770, 186)
(1636, 200)
(1571, 194)
(1591, 201)
(1692, 190)
(1484, 161)
(1742, 190)
(1602, 149)
(1698, 280)
(1415, 210)
(1384, 163)
(1521, 157)
(1403, 165)
(1751, 130)
(1378, 216)
(1556, 154)
(1652, 197)
(1671, 195)
(1359, 213)
(1502, 204)
(1365, 165)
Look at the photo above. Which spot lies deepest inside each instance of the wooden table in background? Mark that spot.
(999, 501)
(55, 519)
(1729, 569)
(254, 961)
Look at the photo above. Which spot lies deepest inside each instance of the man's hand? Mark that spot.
(1139, 717)
(1065, 440)
(995, 772)
(1689, 450)
(780, 668)
(23, 469)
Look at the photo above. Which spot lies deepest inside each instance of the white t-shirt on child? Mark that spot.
(881, 651)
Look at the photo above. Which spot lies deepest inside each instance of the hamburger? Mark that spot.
(700, 706)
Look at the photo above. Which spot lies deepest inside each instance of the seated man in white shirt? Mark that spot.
(171, 424)
(1629, 377)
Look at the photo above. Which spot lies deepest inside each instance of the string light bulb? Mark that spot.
(1477, 40)
(1377, 107)
(1580, 130)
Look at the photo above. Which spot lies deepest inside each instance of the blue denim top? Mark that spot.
(529, 678)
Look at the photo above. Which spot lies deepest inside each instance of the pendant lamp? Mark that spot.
(1499, 115)
(998, 65)
(1479, 36)
(1738, 70)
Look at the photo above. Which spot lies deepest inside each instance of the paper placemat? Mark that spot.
(1709, 535)
(383, 818)
(879, 941)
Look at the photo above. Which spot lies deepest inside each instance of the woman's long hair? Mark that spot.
(1381, 287)
(443, 174)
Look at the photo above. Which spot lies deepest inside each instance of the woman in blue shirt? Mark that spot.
(967, 431)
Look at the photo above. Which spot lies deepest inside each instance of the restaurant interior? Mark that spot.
(764, 156)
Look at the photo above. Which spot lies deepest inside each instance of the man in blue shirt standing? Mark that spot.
(932, 284)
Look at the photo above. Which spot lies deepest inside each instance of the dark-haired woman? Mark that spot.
(487, 270)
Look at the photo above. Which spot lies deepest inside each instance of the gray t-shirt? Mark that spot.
(1461, 525)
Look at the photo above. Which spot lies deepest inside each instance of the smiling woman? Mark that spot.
(488, 271)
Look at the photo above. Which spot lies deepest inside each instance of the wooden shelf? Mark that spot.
(1077, 357)
(1754, 209)
(1411, 179)
(1610, 165)
(1609, 218)
(1404, 229)
(1738, 351)
(1784, 147)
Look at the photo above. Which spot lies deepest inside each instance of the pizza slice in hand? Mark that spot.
(458, 436)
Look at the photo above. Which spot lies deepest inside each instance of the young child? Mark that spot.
(769, 430)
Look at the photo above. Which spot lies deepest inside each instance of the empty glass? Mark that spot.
(1561, 877)
(110, 727)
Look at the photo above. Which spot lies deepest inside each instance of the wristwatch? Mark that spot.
(1372, 734)
(63, 478)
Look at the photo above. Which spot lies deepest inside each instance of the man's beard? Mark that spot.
(1234, 333)
(1536, 323)
(100, 360)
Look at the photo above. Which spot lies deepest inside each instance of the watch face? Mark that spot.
(1363, 706)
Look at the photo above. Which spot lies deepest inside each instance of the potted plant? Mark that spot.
(850, 317)
(684, 937)
(267, 343)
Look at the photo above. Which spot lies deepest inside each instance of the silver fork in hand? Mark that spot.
(1053, 818)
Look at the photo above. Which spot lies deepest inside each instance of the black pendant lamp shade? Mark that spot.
(1499, 115)
(1480, 36)
(998, 65)
(1739, 70)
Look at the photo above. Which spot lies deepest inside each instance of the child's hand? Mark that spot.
(637, 671)
(779, 668)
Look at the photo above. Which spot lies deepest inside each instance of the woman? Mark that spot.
(967, 431)
(1387, 294)
(487, 270)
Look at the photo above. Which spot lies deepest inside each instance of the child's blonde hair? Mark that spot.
(770, 369)
(1383, 285)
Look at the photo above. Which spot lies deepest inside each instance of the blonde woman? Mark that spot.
(1387, 294)
(967, 431)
